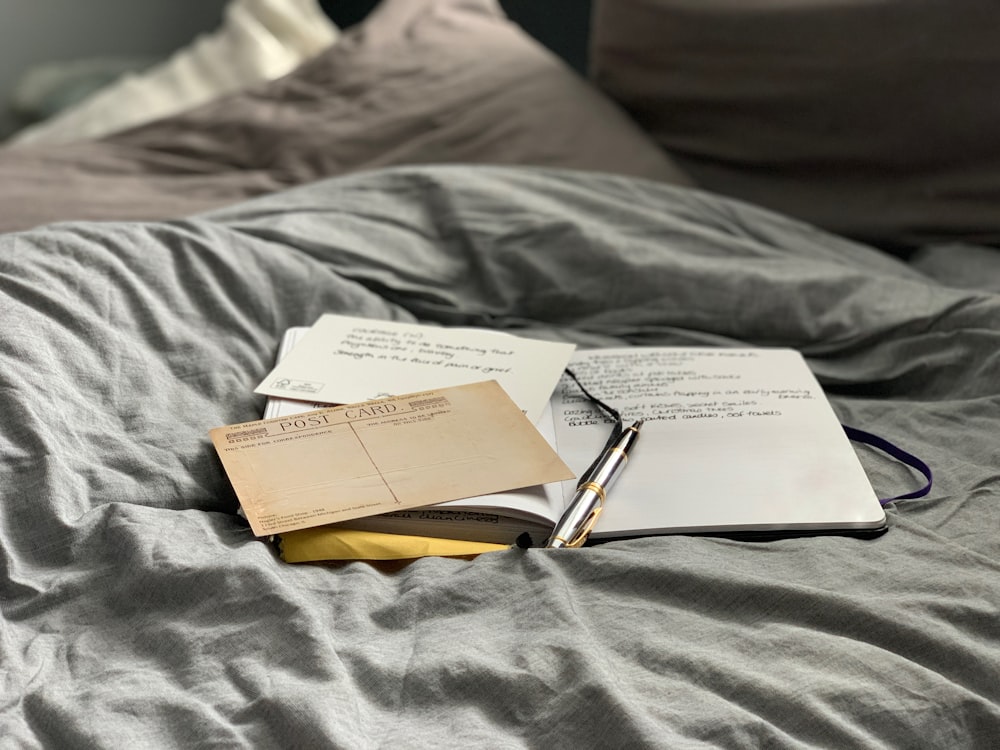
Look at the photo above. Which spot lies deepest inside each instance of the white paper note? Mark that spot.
(346, 359)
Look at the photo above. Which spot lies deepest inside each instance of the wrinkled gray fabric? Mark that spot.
(965, 266)
(138, 611)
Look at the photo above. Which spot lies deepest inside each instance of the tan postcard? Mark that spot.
(391, 454)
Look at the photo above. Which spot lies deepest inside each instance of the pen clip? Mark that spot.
(585, 528)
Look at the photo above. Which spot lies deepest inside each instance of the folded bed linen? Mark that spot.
(418, 82)
(138, 610)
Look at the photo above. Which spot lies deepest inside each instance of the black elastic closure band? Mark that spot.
(616, 431)
(900, 455)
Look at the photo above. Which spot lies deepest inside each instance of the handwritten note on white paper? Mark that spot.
(346, 359)
(689, 384)
(733, 439)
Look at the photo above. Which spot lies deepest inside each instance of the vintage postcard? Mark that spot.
(374, 457)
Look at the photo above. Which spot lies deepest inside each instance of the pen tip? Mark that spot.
(638, 424)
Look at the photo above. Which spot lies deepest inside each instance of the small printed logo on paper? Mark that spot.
(297, 386)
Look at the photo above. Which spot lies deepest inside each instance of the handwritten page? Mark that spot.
(734, 439)
(374, 457)
(344, 360)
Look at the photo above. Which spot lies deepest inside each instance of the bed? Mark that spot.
(437, 165)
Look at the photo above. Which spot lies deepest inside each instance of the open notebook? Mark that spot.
(736, 441)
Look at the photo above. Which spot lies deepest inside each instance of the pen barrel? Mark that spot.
(608, 470)
(584, 503)
(588, 500)
(576, 522)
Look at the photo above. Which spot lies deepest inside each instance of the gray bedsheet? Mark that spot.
(138, 611)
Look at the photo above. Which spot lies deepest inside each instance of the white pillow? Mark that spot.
(259, 40)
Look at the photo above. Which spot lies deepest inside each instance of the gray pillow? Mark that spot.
(419, 81)
(877, 119)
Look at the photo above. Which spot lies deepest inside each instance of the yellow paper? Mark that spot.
(347, 462)
(332, 543)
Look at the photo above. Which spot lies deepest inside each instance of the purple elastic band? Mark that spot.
(899, 454)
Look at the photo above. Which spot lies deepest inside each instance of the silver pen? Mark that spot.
(579, 518)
